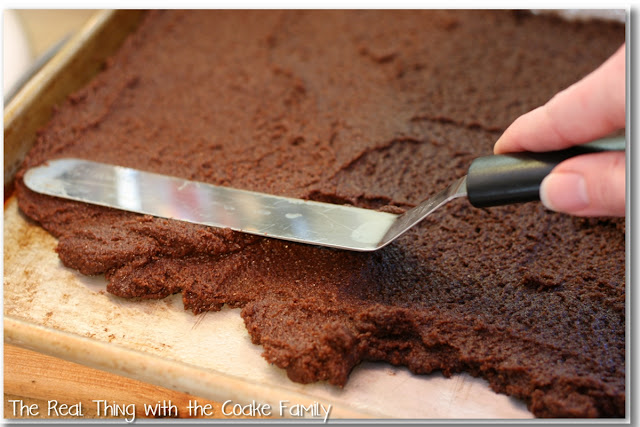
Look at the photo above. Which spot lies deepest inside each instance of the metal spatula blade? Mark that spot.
(491, 180)
(245, 211)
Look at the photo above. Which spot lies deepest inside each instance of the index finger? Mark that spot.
(590, 109)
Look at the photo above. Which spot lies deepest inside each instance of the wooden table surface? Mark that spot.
(41, 386)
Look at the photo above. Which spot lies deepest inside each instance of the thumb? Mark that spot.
(587, 185)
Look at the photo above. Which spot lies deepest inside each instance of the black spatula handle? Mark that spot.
(513, 178)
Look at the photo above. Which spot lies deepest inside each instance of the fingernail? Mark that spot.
(564, 192)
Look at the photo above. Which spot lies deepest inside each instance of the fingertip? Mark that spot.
(507, 142)
(497, 147)
(564, 192)
(529, 132)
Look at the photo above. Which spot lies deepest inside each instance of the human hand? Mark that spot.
(594, 107)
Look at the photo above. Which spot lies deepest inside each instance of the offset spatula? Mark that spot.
(490, 181)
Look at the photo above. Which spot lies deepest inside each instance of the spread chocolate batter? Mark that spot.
(378, 109)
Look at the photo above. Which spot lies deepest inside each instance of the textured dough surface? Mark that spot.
(378, 109)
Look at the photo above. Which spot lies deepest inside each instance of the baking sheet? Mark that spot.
(57, 311)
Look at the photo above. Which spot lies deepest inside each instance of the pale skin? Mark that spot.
(592, 108)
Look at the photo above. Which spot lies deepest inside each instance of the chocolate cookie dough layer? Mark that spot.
(378, 109)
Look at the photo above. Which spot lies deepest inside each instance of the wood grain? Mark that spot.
(32, 378)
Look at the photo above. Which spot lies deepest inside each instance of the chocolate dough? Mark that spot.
(378, 109)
